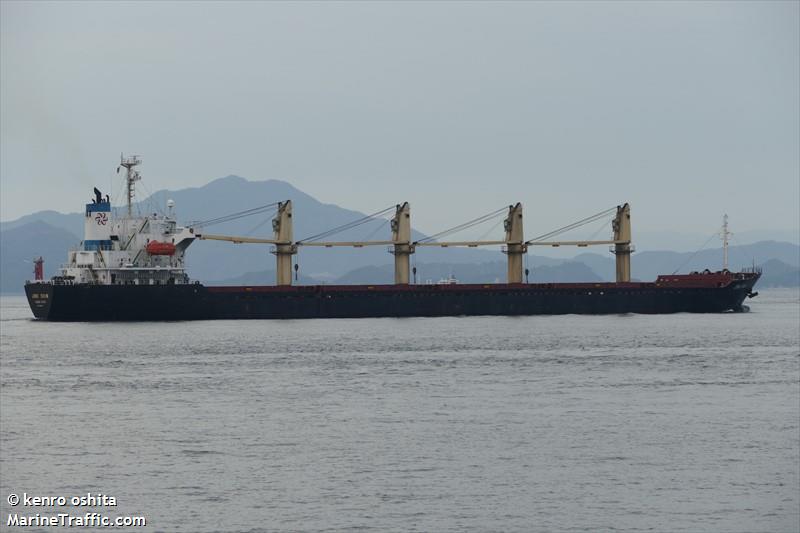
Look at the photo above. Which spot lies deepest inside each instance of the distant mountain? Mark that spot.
(689, 242)
(214, 260)
(264, 277)
(646, 266)
(72, 222)
(51, 234)
(494, 272)
(370, 274)
(21, 244)
(776, 273)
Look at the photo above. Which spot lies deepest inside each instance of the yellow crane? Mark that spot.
(514, 244)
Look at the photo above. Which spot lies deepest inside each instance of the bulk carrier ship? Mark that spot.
(133, 268)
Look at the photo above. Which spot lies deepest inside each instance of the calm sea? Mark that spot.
(564, 423)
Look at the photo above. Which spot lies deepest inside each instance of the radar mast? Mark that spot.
(725, 235)
(131, 177)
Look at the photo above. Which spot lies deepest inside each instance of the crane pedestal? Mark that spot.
(515, 246)
(401, 237)
(622, 232)
(284, 247)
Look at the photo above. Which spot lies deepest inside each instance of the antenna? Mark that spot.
(725, 234)
(131, 177)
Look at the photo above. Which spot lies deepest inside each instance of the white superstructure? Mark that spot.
(125, 250)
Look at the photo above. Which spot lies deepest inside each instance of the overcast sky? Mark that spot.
(686, 110)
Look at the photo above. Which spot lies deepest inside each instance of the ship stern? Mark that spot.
(40, 299)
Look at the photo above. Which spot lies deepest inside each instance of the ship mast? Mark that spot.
(725, 234)
(131, 177)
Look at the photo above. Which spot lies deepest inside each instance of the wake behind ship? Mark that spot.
(132, 268)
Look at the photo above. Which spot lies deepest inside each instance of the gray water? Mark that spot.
(564, 423)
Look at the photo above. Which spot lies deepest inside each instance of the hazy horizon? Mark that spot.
(687, 111)
(653, 240)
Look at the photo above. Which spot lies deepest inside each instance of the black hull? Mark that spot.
(197, 302)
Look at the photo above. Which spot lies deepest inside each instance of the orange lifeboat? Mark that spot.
(160, 248)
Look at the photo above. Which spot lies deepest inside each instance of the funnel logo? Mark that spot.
(101, 218)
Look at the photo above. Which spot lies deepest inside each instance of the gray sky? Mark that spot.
(686, 110)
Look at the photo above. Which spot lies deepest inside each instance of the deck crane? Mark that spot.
(621, 226)
(401, 245)
(285, 246)
(514, 243)
(283, 241)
